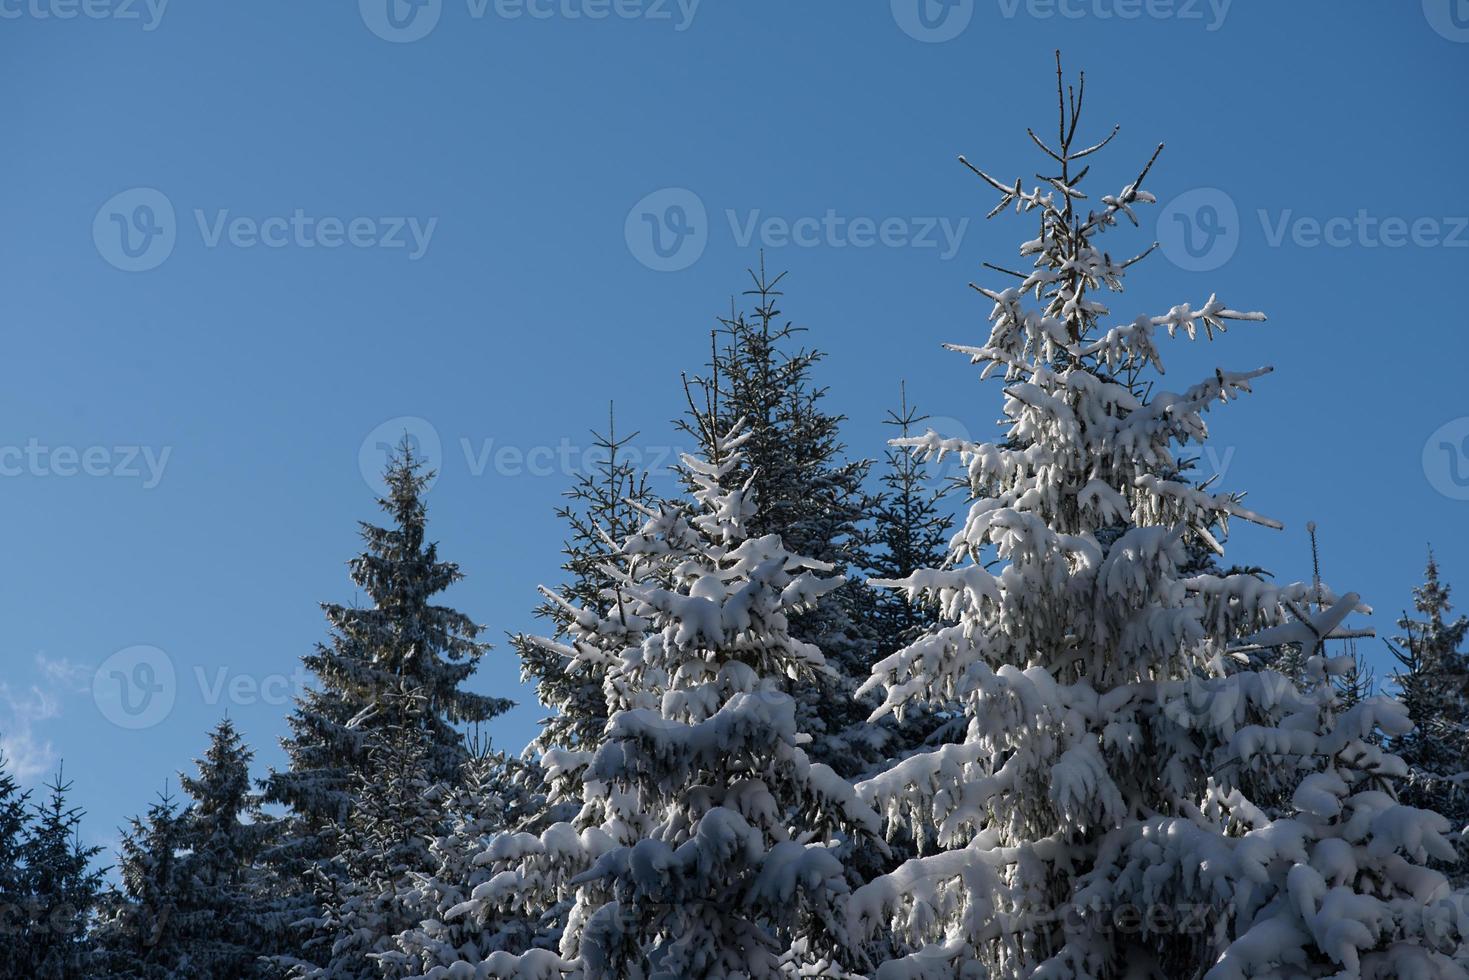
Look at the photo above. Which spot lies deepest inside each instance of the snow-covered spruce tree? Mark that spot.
(492, 797)
(140, 933)
(61, 889)
(909, 530)
(397, 810)
(400, 639)
(603, 507)
(546, 857)
(232, 916)
(810, 495)
(517, 818)
(1134, 797)
(708, 845)
(589, 632)
(1433, 684)
(14, 808)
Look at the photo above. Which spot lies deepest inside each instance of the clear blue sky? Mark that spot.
(522, 148)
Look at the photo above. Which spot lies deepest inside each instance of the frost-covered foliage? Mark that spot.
(59, 891)
(506, 802)
(1135, 796)
(140, 934)
(909, 530)
(14, 807)
(366, 892)
(496, 793)
(400, 638)
(602, 509)
(810, 495)
(232, 915)
(1084, 747)
(1434, 688)
(192, 902)
(708, 845)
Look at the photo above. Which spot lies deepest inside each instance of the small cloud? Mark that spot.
(28, 754)
(63, 674)
(27, 759)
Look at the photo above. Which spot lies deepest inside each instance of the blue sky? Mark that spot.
(243, 242)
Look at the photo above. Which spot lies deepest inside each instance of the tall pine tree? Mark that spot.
(1135, 795)
(1433, 684)
(492, 798)
(141, 935)
(909, 529)
(400, 639)
(14, 899)
(61, 888)
(234, 915)
(810, 495)
(708, 845)
(365, 896)
(603, 507)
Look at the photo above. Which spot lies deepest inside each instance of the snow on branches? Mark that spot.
(1135, 794)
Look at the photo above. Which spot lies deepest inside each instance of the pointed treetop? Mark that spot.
(407, 478)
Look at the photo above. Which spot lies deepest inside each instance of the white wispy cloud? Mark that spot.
(64, 675)
(29, 755)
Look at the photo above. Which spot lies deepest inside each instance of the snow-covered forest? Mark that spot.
(820, 714)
